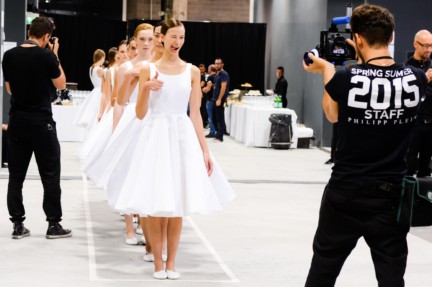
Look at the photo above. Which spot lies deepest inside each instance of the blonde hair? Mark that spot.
(97, 55)
(111, 56)
(141, 27)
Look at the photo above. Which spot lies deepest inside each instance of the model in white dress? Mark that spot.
(89, 108)
(126, 92)
(164, 173)
(99, 135)
(169, 172)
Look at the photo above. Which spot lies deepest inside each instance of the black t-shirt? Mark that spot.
(209, 94)
(425, 108)
(29, 72)
(221, 77)
(281, 87)
(377, 109)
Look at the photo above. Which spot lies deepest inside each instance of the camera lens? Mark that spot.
(306, 58)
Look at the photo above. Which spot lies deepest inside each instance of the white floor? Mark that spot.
(263, 238)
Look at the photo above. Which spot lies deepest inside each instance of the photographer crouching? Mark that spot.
(30, 71)
(375, 104)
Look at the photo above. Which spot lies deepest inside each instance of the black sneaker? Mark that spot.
(19, 231)
(210, 136)
(55, 230)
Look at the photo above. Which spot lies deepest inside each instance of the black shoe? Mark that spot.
(210, 136)
(330, 161)
(55, 230)
(19, 231)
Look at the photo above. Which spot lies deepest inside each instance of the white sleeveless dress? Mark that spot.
(87, 114)
(164, 174)
(100, 170)
(99, 135)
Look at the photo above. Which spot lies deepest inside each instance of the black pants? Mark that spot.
(333, 140)
(41, 138)
(344, 218)
(284, 101)
(203, 110)
(4, 158)
(219, 113)
(421, 146)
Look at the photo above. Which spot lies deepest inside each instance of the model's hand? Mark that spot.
(218, 102)
(155, 84)
(208, 163)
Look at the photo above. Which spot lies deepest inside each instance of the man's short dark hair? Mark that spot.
(212, 68)
(375, 23)
(201, 66)
(219, 59)
(41, 26)
(281, 68)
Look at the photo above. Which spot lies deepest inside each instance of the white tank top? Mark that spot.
(95, 79)
(174, 96)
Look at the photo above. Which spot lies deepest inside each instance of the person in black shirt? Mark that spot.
(375, 104)
(203, 108)
(208, 94)
(421, 139)
(281, 86)
(29, 71)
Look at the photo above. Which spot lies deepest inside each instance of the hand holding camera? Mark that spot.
(429, 75)
(53, 44)
(314, 64)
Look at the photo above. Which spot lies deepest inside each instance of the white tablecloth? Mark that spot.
(249, 123)
(64, 118)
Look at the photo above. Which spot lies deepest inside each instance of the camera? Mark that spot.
(52, 40)
(333, 46)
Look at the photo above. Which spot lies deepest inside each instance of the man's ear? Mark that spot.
(358, 39)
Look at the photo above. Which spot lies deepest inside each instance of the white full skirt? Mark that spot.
(120, 142)
(163, 173)
(89, 109)
(98, 138)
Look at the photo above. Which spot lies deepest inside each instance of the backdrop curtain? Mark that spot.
(240, 45)
(79, 37)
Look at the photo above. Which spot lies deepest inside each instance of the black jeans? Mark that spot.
(41, 138)
(420, 145)
(219, 113)
(4, 147)
(284, 102)
(344, 218)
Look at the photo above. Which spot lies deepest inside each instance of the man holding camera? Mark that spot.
(421, 140)
(375, 105)
(30, 71)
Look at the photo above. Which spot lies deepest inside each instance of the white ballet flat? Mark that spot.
(149, 257)
(160, 275)
(173, 275)
(131, 241)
